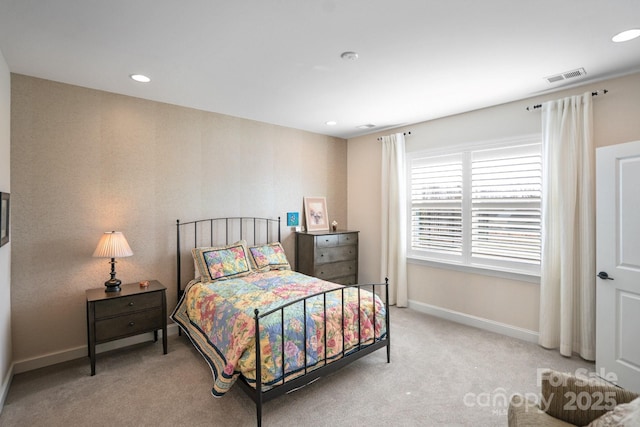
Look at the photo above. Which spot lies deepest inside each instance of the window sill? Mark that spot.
(523, 277)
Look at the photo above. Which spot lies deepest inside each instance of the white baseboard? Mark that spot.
(5, 386)
(476, 322)
(78, 352)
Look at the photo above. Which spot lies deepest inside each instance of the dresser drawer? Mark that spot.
(339, 253)
(129, 304)
(130, 324)
(327, 241)
(348, 239)
(336, 269)
(346, 280)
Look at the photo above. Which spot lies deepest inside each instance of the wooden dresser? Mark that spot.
(328, 255)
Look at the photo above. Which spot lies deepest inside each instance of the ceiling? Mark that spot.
(278, 61)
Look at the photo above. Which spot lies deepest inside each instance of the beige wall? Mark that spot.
(511, 302)
(85, 162)
(5, 251)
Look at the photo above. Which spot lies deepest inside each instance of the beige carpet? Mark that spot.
(441, 373)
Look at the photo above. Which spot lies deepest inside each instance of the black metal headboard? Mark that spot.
(221, 231)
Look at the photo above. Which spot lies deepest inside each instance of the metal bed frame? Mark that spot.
(250, 229)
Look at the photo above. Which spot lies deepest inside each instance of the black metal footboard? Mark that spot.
(261, 394)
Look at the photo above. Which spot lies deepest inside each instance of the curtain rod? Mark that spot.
(595, 93)
(404, 133)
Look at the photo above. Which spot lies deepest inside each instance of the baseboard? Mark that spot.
(476, 322)
(79, 352)
(5, 387)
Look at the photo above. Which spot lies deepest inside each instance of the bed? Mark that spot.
(233, 279)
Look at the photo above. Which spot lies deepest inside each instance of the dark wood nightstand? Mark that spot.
(132, 311)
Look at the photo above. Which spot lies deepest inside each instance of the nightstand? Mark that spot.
(132, 311)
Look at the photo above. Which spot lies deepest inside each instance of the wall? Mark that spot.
(507, 305)
(5, 251)
(86, 161)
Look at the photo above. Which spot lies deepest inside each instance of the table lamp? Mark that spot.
(113, 245)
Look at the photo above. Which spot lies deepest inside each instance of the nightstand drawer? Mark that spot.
(129, 304)
(336, 269)
(339, 253)
(131, 324)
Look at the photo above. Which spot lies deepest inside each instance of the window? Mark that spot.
(478, 207)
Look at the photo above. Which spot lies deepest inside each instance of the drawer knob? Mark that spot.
(131, 304)
(131, 323)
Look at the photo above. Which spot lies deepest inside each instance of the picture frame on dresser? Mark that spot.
(315, 213)
(5, 225)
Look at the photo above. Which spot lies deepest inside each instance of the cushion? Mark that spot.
(564, 394)
(223, 262)
(269, 257)
(625, 414)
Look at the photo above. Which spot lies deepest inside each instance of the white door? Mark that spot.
(618, 257)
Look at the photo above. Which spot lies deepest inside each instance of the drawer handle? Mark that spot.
(131, 323)
(131, 304)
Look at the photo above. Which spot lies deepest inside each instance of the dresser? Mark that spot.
(328, 255)
(132, 311)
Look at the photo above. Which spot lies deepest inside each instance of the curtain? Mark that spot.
(567, 292)
(394, 218)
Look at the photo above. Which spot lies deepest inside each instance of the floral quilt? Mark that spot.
(219, 319)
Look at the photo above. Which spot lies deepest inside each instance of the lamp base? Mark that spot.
(113, 285)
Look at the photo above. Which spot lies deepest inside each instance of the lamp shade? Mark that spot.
(112, 244)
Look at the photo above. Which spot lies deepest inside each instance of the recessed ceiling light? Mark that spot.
(367, 126)
(349, 56)
(140, 78)
(331, 123)
(626, 35)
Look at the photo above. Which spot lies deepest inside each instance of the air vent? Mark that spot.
(566, 75)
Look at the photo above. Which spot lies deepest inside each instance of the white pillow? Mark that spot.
(623, 415)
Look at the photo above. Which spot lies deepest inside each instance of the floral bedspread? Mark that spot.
(219, 319)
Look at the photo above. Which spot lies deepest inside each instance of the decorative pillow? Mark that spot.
(269, 257)
(224, 262)
(623, 415)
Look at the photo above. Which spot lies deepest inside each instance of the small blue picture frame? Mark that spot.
(293, 219)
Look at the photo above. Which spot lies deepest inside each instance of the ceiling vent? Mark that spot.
(566, 75)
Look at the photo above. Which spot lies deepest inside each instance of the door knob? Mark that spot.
(604, 276)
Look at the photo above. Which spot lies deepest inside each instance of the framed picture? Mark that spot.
(4, 219)
(293, 219)
(315, 211)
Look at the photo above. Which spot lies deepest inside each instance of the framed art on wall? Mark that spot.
(4, 219)
(315, 211)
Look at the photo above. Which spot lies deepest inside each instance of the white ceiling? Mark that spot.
(278, 61)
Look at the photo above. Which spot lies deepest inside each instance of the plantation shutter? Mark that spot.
(505, 214)
(436, 204)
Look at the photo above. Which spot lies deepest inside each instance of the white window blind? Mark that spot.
(478, 207)
(436, 204)
(506, 190)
